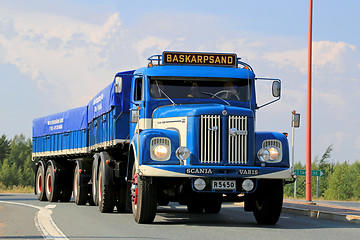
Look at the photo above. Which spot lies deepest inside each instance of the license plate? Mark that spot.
(224, 185)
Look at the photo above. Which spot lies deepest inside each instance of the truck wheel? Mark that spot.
(268, 202)
(212, 206)
(195, 207)
(144, 203)
(51, 183)
(40, 182)
(94, 179)
(106, 193)
(80, 191)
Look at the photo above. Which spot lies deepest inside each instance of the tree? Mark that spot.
(355, 175)
(340, 185)
(327, 167)
(16, 167)
(4, 147)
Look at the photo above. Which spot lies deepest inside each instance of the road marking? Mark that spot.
(43, 221)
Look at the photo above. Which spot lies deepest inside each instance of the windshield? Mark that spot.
(224, 88)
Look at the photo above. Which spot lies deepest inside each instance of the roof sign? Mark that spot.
(221, 59)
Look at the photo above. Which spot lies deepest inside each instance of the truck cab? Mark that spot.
(193, 130)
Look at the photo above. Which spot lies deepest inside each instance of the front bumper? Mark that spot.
(215, 171)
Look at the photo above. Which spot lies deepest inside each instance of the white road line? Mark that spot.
(43, 221)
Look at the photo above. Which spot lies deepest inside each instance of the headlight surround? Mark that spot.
(269, 154)
(161, 151)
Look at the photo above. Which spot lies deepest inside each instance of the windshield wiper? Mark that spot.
(163, 93)
(213, 95)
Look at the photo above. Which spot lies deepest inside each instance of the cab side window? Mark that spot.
(138, 89)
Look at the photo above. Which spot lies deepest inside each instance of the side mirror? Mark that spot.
(118, 84)
(276, 88)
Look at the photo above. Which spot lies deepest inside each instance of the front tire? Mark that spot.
(268, 202)
(144, 202)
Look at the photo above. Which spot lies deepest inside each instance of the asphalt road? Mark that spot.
(23, 217)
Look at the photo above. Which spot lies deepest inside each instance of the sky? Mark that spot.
(57, 55)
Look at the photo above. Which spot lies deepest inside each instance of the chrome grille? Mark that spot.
(210, 139)
(211, 144)
(237, 139)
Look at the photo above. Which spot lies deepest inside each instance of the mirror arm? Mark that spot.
(257, 107)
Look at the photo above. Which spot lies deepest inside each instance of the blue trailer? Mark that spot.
(180, 130)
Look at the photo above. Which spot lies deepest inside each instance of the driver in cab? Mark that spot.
(229, 92)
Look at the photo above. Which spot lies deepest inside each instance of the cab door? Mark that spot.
(137, 105)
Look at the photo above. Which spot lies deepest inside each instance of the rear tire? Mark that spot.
(80, 191)
(106, 193)
(40, 182)
(52, 190)
(268, 202)
(94, 179)
(144, 202)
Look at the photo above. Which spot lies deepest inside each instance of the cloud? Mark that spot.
(334, 56)
(357, 142)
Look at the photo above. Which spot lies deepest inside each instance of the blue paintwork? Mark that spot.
(191, 110)
(261, 136)
(145, 139)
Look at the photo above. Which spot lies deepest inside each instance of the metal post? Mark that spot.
(317, 187)
(295, 188)
(308, 127)
(292, 145)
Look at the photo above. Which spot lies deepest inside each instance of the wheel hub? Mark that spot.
(134, 189)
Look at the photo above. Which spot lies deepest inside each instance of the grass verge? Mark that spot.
(16, 189)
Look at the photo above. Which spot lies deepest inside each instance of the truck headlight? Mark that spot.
(269, 154)
(160, 151)
(182, 153)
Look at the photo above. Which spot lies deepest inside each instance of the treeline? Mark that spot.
(339, 182)
(16, 167)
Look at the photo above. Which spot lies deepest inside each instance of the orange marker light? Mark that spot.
(107, 162)
(54, 169)
(138, 107)
(150, 65)
(293, 111)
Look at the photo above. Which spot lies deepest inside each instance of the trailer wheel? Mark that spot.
(51, 183)
(94, 179)
(268, 202)
(144, 202)
(212, 206)
(106, 193)
(40, 182)
(80, 191)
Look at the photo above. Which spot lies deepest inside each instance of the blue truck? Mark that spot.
(180, 130)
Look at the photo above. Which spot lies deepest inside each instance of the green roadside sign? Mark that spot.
(314, 173)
